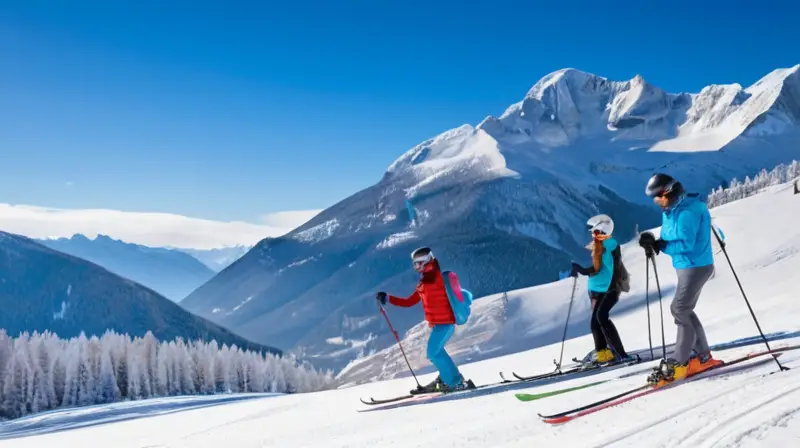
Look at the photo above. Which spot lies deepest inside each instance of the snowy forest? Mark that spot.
(39, 372)
(740, 190)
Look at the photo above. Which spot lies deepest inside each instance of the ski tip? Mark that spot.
(557, 420)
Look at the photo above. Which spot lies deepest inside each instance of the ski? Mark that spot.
(639, 392)
(647, 389)
(542, 376)
(373, 401)
(504, 380)
(531, 397)
(582, 368)
(431, 394)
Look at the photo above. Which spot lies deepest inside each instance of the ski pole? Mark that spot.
(647, 300)
(752, 313)
(660, 305)
(397, 338)
(566, 324)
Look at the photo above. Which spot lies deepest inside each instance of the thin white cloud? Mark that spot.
(149, 229)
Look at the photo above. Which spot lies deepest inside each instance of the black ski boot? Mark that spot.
(433, 386)
(462, 385)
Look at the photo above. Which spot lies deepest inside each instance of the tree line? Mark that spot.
(40, 371)
(739, 190)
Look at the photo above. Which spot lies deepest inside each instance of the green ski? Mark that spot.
(532, 397)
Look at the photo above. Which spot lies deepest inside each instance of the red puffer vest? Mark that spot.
(431, 291)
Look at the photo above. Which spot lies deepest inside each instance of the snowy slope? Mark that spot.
(86, 416)
(528, 318)
(502, 203)
(745, 409)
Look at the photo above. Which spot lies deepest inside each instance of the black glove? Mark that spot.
(650, 244)
(647, 240)
(578, 269)
(381, 297)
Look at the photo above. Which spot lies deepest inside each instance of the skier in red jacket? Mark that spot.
(439, 314)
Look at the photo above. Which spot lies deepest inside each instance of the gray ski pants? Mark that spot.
(690, 331)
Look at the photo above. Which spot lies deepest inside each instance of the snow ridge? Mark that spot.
(569, 105)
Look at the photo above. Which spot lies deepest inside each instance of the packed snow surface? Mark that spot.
(747, 408)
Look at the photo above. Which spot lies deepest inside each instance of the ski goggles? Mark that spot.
(594, 231)
(422, 260)
(663, 191)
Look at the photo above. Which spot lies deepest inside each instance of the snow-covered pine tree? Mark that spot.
(739, 190)
(41, 371)
(108, 390)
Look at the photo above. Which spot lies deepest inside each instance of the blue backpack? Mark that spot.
(460, 299)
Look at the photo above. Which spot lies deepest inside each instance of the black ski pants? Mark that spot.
(604, 332)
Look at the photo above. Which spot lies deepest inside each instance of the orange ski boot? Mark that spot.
(702, 362)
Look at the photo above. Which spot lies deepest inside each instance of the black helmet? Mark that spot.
(663, 185)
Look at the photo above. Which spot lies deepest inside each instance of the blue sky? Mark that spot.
(234, 111)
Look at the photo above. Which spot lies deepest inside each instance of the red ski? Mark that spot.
(647, 389)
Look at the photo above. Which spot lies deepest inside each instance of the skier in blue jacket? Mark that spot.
(605, 286)
(686, 237)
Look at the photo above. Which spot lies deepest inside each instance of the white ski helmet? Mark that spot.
(421, 257)
(601, 223)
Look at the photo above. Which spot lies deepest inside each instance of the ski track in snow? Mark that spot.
(706, 425)
(745, 408)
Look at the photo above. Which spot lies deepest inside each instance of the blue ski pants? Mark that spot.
(448, 371)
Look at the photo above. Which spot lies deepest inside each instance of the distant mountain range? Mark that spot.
(44, 289)
(172, 273)
(218, 259)
(503, 203)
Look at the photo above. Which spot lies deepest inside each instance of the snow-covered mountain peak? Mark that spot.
(566, 80)
(777, 76)
(721, 113)
(461, 152)
(447, 145)
(571, 110)
(779, 94)
(568, 106)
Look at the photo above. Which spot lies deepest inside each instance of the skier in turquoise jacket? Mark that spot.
(604, 286)
(686, 238)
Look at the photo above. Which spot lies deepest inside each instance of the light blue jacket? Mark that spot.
(686, 228)
(601, 281)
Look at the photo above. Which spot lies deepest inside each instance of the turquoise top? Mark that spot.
(601, 281)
